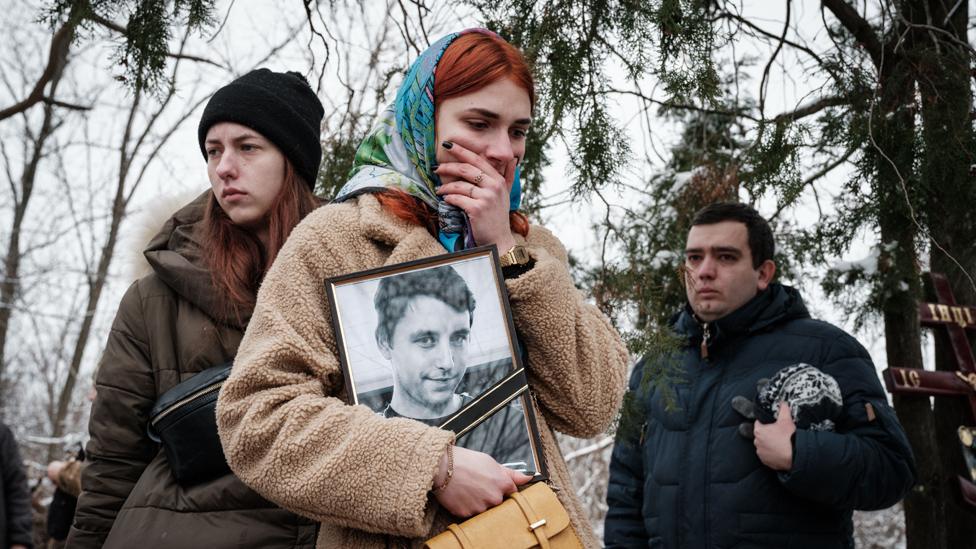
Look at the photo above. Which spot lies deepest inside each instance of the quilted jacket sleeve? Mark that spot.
(119, 449)
(285, 430)
(624, 526)
(577, 361)
(867, 463)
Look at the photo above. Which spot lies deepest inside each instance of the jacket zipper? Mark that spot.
(204, 391)
(706, 339)
(706, 335)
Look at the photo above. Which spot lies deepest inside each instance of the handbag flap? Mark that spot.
(507, 526)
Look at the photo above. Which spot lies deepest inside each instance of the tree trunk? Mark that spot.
(948, 141)
(893, 152)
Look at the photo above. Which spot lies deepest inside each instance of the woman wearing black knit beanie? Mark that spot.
(260, 138)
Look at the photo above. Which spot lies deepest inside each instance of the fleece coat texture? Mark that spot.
(167, 329)
(288, 432)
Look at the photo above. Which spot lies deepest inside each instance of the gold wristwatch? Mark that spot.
(518, 255)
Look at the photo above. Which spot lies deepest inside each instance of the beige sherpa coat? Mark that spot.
(288, 433)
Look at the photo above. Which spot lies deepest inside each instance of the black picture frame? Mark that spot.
(495, 414)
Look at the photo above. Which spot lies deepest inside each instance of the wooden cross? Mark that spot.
(960, 383)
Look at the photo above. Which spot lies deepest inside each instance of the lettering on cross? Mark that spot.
(936, 314)
(956, 319)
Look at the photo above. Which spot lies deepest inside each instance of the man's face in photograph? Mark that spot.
(428, 351)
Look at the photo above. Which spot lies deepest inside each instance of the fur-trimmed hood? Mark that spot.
(175, 255)
(144, 225)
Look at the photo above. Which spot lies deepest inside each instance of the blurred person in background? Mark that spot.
(15, 501)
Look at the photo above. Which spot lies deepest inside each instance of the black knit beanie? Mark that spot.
(281, 106)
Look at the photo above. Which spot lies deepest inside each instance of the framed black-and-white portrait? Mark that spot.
(433, 340)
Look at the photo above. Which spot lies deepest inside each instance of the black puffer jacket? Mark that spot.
(15, 509)
(168, 328)
(693, 481)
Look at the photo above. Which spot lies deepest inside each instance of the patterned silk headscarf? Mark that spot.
(401, 147)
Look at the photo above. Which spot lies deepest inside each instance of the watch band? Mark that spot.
(518, 255)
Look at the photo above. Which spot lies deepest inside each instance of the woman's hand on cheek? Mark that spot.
(478, 483)
(482, 193)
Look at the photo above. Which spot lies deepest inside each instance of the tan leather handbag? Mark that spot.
(530, 518)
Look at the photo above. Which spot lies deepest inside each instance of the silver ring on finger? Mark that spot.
(479, 178)
(471, 191)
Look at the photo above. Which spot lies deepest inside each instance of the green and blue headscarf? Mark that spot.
(401, 148)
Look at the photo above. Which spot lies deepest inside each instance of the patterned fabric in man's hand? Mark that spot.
(814, 398)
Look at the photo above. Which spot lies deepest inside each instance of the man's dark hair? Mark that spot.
(760, 234)
(395, 292)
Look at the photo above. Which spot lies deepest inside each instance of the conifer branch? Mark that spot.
(112, 25)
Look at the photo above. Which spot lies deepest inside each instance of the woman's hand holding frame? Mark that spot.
(478, 483)
(482, 193)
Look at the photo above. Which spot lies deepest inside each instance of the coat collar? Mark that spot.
(407, 240)
(775, 305)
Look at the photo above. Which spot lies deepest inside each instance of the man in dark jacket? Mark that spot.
(15, 510)
(691, 477)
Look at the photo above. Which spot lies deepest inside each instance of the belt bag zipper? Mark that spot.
(202, 392)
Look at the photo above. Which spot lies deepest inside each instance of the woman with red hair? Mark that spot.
(439, 172)
(260, 138)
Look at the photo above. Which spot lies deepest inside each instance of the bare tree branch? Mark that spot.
(223, 21)
(811, 108)
(422, 12)
(681, 106)
(405, 29)
(157, 148)
(63, 104)
(772, 58)
(795, 45)
(315, 33)
(809, 181)
(6, 168)
(936, 30)
(57, 57)
(587, 450)
(859, 28)
(829, 167)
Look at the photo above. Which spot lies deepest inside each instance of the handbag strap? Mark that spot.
(462, 538)
(536, 522)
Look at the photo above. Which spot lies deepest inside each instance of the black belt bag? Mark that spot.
(184, 421)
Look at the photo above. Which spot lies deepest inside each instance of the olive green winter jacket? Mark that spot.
(167, 329)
